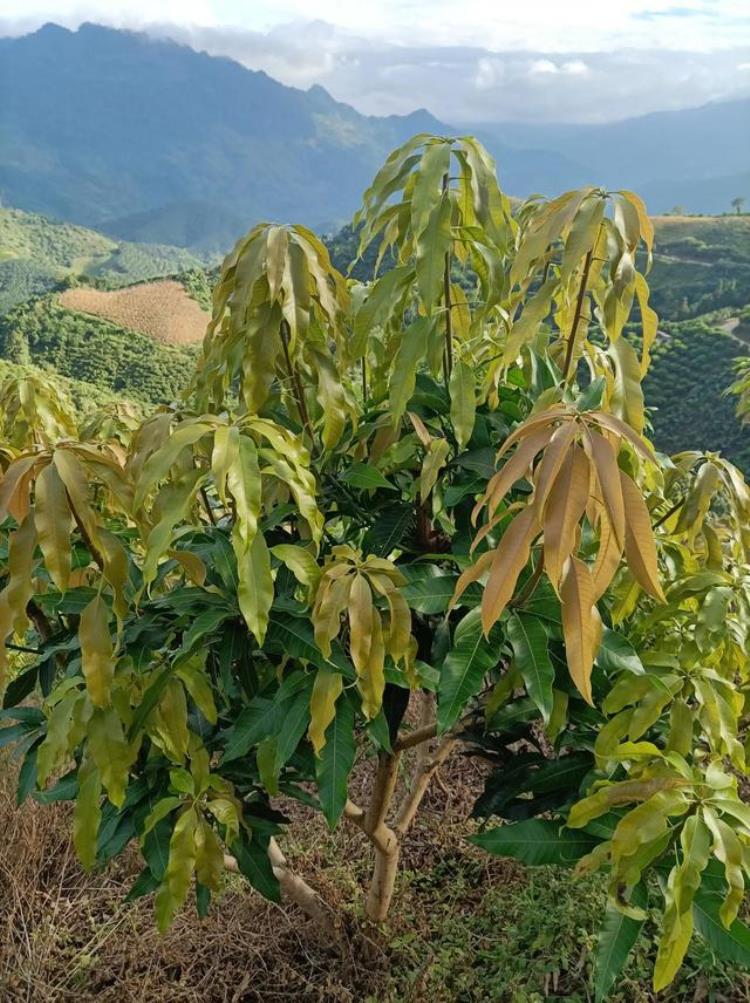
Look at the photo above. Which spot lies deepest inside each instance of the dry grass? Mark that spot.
(162, 310)
(67, 935)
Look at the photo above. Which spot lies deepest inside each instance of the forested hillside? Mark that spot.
(693, 367)
(702, 263)
(90, 349)
(701, 266)
(36, 253)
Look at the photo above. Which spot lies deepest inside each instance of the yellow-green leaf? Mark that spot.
(325, 692)
(97, 651)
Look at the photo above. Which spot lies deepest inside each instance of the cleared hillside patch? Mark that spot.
(162, 310)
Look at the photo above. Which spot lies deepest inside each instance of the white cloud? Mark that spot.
(534, 25)
(542, 66)
(469, 62)
(575, 67)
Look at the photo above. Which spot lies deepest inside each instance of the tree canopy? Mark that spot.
(390, 516)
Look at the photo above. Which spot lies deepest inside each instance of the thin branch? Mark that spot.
(22, 648)
(299, 393)
(416, 737)
(668, 514)
(382, 791)
(296, 889)
(411, 802)
(577, 317)
(93, 550)
(207, 505)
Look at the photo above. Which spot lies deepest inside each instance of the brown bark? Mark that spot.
(297, 890)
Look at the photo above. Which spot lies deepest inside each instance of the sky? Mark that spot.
(464, 60)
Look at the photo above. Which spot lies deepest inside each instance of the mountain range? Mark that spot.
(148, 140)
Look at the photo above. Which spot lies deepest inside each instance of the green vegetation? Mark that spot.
(692, 368)
(37, 253)
(385, 525)
(701, 264)
(85, 348)
(84, 397)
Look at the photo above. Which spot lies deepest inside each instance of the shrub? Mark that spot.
(376, 497)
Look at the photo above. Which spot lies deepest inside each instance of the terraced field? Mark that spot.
(162, 310)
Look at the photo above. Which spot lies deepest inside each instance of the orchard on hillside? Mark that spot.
(385, 523)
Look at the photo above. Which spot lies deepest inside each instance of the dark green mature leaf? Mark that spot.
(293, 724)
(731, 945)
(203, 625)
(528, 639)
(156, 847)
(255, 722)
(27, 774)
(535, 842)
(202, 899)
(433, 594)
(464, 668)
(20, 687)
(380, 733)
(616, 654)
(389, 529)
(336, 759)
(366, 477)
(252, 859)
(551, 782)
(617, 935)
(144, 884)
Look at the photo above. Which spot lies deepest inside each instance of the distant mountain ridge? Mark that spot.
(149, 140)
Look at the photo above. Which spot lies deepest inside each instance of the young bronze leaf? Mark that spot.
(608, 475)
(512, 471)
(581, 624)
(566, 504)
(640, 548)
(508, 562)
(472, 574)
(608, 556)
(554, 456)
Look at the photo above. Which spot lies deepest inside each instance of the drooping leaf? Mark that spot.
(617, 936)
(528, 639)
(469, 659)
(536, 842)
(325, 692)
(97, 651)
(335, 763)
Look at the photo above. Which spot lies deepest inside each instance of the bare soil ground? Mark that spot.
(162, 310)
(66, 935)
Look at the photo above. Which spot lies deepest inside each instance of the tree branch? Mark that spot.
(425, 772)
(577, 317)
(296, 889)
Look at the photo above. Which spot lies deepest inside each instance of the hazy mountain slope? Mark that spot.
(99, 124)
(149, 140)
(697, 157)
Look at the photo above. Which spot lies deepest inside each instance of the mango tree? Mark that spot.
(387, 522)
